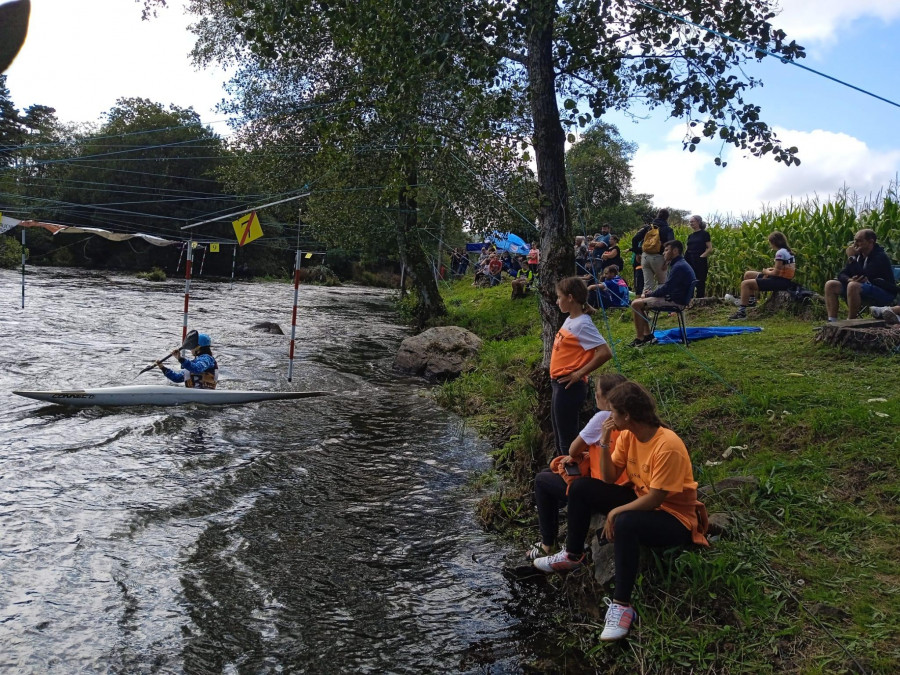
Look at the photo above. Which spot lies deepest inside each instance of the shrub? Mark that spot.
(155, 274)
(10, 252)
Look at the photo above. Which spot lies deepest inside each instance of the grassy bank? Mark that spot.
(808, 578)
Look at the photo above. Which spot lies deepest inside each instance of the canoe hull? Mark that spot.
(161, 395)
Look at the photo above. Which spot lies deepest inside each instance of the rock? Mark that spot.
(268, 327)
(821, 610)
(603, 554)
(438, 353)
(718, 524)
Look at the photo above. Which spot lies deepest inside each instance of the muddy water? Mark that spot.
(321, 535)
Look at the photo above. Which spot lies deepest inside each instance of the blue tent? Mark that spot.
(507, 241)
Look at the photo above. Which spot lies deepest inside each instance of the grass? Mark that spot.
(808, 578)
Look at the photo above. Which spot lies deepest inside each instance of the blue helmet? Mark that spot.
(203, 340)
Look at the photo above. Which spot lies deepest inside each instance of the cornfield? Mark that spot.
(818, 234)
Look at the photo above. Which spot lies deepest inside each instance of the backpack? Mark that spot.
(652, 242)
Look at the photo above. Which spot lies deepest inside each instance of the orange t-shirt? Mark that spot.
(662, 463)
(574, 345)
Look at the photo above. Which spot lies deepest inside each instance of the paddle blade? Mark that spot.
(190, 340)
(150, 367)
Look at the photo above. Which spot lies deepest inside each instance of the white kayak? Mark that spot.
(160, 394)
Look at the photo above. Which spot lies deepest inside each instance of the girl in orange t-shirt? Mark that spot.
(551, 485)
(659, 508)
(578, 350)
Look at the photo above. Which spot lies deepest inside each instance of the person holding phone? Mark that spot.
(583, 459)
(659, 508)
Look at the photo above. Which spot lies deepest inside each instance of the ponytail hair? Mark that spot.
(633, 400)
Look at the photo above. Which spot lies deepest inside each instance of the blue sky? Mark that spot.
(845, 137)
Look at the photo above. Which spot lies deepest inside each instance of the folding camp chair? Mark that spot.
(673, 309)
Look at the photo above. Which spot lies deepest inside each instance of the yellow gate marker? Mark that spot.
(246, 228)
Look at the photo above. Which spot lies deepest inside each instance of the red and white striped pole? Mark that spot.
(187, 287)
(203, 260)
(294, 316)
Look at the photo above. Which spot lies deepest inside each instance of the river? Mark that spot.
(320, 535)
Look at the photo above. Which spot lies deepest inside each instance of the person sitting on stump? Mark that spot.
(775, 278)
(867, 277)
(659, 508)
(676, 291)
(201, 372)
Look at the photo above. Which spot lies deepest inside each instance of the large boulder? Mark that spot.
(438, 353)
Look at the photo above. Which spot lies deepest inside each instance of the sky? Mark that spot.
(81, 56)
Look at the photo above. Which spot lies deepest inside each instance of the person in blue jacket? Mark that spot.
(676, 291)
(200, 372)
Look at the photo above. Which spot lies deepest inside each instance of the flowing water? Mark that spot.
(321, 535)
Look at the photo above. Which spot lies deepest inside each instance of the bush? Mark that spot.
(10, 252)
(154, 274)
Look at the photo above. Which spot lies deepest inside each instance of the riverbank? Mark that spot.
(806, 579)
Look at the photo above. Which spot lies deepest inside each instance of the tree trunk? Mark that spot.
(554, 223)
(429, 303)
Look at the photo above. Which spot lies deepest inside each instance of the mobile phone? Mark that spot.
(572, 469)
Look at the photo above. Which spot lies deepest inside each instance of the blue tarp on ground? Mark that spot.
(673, 335)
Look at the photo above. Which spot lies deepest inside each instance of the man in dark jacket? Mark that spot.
(652, 263)
(676, 291)
(868, 277)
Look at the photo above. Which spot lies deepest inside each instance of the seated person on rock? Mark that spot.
(552, 484)
(868, 277)
(201, 372)
(775, 278)
(611, 292)
(659, 507)
(676, 291)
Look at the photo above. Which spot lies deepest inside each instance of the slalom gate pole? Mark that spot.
(187, 288)
(233, 263)
(294, 316)
(203, 261)
(180, 253)
(23, 268)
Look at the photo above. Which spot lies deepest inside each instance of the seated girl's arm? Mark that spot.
(577, 449)
(610, 472)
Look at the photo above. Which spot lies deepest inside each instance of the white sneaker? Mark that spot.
(558, 562)
(878, 312)
(618, 621)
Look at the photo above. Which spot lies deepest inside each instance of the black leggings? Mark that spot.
(565, 407)
(701, 271)
(549, 496)
(633, 529)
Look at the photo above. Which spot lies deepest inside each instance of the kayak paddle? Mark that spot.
(189, 343)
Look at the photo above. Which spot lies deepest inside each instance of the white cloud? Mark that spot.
(829, 162)
(821, 20)
(80, 57)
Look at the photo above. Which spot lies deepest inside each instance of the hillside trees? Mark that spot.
(375, 74)
(595, 56)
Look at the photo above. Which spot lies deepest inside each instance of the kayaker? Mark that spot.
(201, 372)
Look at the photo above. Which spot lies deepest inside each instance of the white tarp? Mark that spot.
(7, 223)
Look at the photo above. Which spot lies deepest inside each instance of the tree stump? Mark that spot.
(861, 335)
(784, 302)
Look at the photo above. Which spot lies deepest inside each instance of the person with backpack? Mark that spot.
(653, 238)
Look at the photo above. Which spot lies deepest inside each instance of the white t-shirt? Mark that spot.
(584, 330)
(784, 256)
(594, 429)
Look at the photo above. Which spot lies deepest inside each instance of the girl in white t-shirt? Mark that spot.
(776, 278)
(550, 487)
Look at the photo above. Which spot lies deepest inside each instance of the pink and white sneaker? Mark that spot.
(558, 562)
(618, 621)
